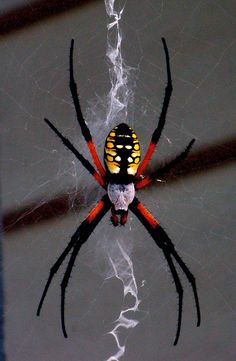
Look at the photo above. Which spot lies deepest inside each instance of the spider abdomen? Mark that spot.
(122, 151)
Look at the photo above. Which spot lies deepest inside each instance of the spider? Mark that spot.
(121, 178)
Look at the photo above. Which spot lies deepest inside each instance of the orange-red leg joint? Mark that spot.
(143, 183)
(147, 215)
(123, 218)
(114, 218)
(94, 212)
(99, 179)
(146, 159)
(95, 157)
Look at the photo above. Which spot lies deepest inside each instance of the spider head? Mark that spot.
(121, 195)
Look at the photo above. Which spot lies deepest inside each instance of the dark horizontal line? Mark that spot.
(203, 160)
(40, 211)
(27, 15)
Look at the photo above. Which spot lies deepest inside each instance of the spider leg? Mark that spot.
(165, 169)
(79, 237)
(57, 265)
(162, 235)
(190, 278)
(78, 155)
(179, 290)
(162, 119)
(84, 128)
(92, 220)
(66, 277)
(163, 241)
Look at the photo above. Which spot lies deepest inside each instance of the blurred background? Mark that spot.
(46, 194)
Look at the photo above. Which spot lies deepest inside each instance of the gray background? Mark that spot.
(198, 213)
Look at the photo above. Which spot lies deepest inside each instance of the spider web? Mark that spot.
(197, 213)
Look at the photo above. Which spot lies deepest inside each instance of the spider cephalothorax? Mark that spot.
(121, 178)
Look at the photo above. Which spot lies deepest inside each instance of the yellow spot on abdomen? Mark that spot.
(113, 167)
(135, 154)
(110, 145)
(109, 158)
(110, 151)
(132, 169)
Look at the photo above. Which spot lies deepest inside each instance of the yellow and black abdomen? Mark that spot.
(122, 151)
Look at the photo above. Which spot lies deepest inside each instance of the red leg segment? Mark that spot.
(96, 210)
(147, 215)
(95, 157)
(123, 218)
(146, 159)
(114, 218)
(143, 182)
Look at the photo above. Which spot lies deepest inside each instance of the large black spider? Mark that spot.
(120, 179)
